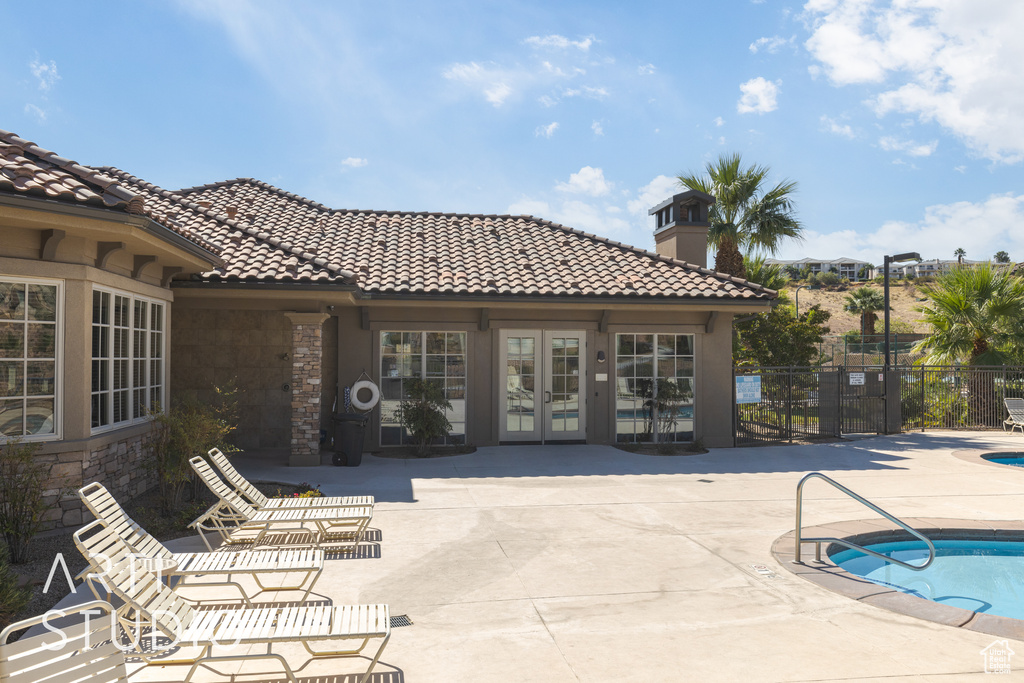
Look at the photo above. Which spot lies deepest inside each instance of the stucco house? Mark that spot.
(538, 332)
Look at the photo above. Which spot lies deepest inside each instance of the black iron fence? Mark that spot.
(815, 402)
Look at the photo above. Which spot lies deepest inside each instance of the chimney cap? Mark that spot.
(681, 197)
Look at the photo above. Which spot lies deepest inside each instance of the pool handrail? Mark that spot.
(853, 546)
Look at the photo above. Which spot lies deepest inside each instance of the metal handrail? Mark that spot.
(853, 546)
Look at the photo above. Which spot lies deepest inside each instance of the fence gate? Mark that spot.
(862, 395)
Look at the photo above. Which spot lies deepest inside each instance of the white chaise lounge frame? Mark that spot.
(86, 653)
(236, 521)
(306, 562)
(170, 614)
(258, 500)
(1015, 412)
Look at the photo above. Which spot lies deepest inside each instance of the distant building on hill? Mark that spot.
(851, 269)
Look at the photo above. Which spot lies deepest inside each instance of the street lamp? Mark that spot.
(886, 261)
(797, 294)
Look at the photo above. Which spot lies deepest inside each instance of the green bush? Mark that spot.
(423, 413)
(188, 429)
(13, 597)
(22, 482)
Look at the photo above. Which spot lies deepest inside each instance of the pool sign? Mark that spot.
(856, 379)
(748, 389)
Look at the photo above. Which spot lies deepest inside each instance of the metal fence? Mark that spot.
(815, 402)
(837, 350)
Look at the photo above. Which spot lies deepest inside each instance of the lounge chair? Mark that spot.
(168, 613)
(120, 530)
(87, 651)
(236, 521)
(259, 501)
(1015, 409)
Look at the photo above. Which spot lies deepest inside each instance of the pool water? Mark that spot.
(1015, 458)
(981, 576)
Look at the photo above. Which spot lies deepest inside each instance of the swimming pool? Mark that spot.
(977, 575)
(1015, 458)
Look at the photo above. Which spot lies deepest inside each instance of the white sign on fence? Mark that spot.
(856, 379)
(748, 389)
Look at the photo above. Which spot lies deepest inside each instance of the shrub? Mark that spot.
(423, 413)
(23, 480)
(829, 278)
(188, 429)
(305, 491)
(13, 597)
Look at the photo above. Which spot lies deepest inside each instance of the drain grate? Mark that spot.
(706, 481)
(400, 620)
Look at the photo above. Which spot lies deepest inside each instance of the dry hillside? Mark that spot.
(902, 297)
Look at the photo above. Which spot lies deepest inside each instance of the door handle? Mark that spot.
(547, 397)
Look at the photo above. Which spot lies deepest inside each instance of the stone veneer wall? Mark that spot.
(211, 347)
(307, 354)
(117, 465)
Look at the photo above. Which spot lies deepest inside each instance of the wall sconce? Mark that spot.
(600, 357)
(285, 356)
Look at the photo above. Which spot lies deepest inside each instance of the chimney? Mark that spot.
(681, 227)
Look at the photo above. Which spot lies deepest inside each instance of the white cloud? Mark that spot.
(960, 169)
(645, 69)
(597, 128)
(354, 162)
(759, 96)
(530, 207)
(833, 126)
(586, 91)
(914, 149)
(653, 193)
(546, 131)
(45, 73)
(954, 62)
(589, 181)
(770, 44)
(35, 111)
(559, 42)
(982, 228)
(719, 121)
(492, 82)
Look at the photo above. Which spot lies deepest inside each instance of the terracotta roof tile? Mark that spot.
(450, 253)
(26, 168)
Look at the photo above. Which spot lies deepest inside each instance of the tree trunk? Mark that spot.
(729, 260)
(869, 323)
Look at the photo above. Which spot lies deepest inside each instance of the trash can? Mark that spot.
(349, 430)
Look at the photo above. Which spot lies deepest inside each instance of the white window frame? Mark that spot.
(131, 358)
(654, 369)
(58, 372)
(423, 375)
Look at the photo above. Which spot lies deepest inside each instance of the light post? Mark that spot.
(797, 295)
(886, 261)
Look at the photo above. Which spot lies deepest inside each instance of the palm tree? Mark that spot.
(767, 275)
(746, 216)
(960, 253)
(865, 301)
(976, 315)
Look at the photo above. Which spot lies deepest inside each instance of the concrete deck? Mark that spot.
(584, 563)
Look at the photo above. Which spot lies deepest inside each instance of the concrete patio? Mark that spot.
(586, 563)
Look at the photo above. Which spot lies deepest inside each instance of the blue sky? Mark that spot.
(902, 122)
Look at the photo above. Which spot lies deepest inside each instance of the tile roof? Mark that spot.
(392, 252)
(249, 253)
(28, 169)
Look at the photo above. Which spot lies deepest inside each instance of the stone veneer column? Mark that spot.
(307, 354)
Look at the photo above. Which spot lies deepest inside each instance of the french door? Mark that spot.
(543, 385)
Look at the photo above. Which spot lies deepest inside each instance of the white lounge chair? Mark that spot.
(168, 613)
(120, 530)
(261, 502)
(1015, 410)
(236, 521)
(83, 650)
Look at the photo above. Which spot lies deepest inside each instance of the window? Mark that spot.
(30, 319)
(127, 358)
(433, 356)
(645, 363)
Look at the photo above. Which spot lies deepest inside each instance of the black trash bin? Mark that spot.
(349, 430)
